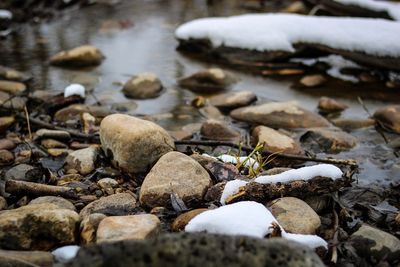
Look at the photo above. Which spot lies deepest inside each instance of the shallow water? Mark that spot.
(144, 42)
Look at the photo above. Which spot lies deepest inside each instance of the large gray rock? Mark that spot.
(116, 228)
(133, 144)
(142, 86)
(198, 250)
(174, 173)
(287, 115)
(233, 100)
(82, 56)
(37, 226)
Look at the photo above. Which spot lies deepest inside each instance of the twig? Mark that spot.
(335, 241)
(349, 162)
(35, 189)
(28, 122)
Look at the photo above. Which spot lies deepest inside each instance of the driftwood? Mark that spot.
(300, 189)
(34, 189)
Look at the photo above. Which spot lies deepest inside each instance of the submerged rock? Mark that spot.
(138, 227)
(142, 86)
(81, 56)
(328, 105)
(351, 124)
(287, 115)
(216, 130)
(133, 144)
(13, 88)
(208, 81)
(389, 117)
(198, 250)
(174, 173)
(233, 100)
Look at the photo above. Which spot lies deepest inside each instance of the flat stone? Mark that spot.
(75, 111)
(286, 115)
(6, 157)
(6, 122)
(182, 220)
(23, 172)
(25, 227)
(389, 117)
(328, 105)
(89, 227)
(315, 80)
(82, 160)
(295, 215)
(13, 75)
(13, 88)
(52, 143)
(275, 141)
(352, 124)
(56, 134)
(174, 173)
(133, 144)
(114, 205)
(233, 100)
(136, 227)
(62, 203)
(82, 56)
(142, 86)
(217, 130)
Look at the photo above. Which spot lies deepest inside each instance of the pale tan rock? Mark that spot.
(86, 55)
(89, 227)
(326, 104)
(233, 100)
(6, 122)
(313, 80)
(13, 88)
(62, 203)
(209, 80)
(82, 160)
(389, 117)
(142, 86)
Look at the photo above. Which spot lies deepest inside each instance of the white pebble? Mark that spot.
(66, 253)
(74, 89)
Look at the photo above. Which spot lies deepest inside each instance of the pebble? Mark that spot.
(82, 160)
(62, 203)
(7, 144)
(26, 258)
(389, 117)
(6, 157)
(216, 130)
(89, 227)
(56, 134)
(6, 122)
(233, 100)
(11, 87)
(315, 80)
(328, 105)
(208, 81)
(82, 56)
(143, 86)
(23, 172)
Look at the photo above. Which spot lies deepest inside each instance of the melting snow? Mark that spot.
(65, 253)
(393, 9)
(74, 89)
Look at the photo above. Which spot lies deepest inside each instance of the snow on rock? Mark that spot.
(250, 162)
(280, 32)
(66, 253)
(74, 89)
(231, 188)
(393, 9)
(246, 218)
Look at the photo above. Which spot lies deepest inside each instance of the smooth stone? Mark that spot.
(389, 117)
(62, 203)
(174, 173)
(107, 182)
(6, 122)
(52, 143)
(208, 81)
(15, 102)
(295, 215)
(89, 227)
(23, 172)
(75, 111)
(311, 81)
(182, 220)
(275, 141)
(328, 140)
(82, 160)
(142, 86)
(211, 112)
(286, 115)
(56, 134)
(233, 100)
(133, 227)
(25, 227)
(133, 144)
(7, 144)
(114, 205)
(198, 250)
(13, 75)
(352, 124)
(13, 88)
(376, 244)
(36, 258)
(6, 157)
(58, 152)
(180, 135)
(216, 130)
(82, 56)
(329, 105)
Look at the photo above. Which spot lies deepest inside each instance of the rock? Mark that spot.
(13, 75)
(287, 115)
(52, 143)
(180, 135)
(36, 258)
(82, 160)
(81, 56)
(7, 144)
(6, 157)
(75, 111)
(117, 204)
(56, 134)
(313, 80)
(198, 250)
(275, 141)
(233, 100)
(89, 227)
(174, 173)
(23, 172)
(352, 124)
(6, 122)
(25, 227)
(182, 220)
(328, 105)
(58, 152)
(13, 88)
(295, 216)
(372, 243)
(220, 171)
(137, 227)
(14, 102)
(208, 81)
(133, 144)
(211, 112)
(3, 203)
(216, 130)
(328, 140)
(107, 182)
(389, 117)
(62, 203)
(142, 86)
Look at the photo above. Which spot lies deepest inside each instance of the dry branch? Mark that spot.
(22, 188)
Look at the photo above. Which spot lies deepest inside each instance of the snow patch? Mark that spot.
(231, 188)
(66, 253)
(279, 32)
(5, 14)
(234, 160)
(393, 9)
(74, 89)
(246, 218)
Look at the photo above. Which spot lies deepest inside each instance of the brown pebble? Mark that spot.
(7, 144)
(6, 157)
(330, 105)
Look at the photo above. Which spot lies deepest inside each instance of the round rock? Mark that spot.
(389, 117)
(233, 100)
(142, 86)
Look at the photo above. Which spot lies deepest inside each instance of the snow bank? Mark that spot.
(246, 218)
(279, 32)
(74, 89)
(66, 253)
(393, 9)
